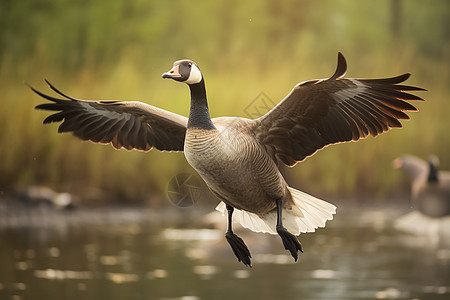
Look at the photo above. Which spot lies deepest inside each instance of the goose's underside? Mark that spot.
(249, 181)
(237, 171)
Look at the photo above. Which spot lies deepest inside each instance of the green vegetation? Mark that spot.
(119, 49)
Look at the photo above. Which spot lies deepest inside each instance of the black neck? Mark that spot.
(199, 113)
(432, 172)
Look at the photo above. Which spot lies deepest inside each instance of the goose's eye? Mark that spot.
(189, 66)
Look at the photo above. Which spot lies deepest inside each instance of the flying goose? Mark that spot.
(238, 158)
(430, 188)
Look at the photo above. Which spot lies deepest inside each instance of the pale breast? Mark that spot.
(207, 153)
(234, 169)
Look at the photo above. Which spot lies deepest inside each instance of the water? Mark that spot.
(128, 253)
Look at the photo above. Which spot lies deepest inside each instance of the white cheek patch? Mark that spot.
(195, 76)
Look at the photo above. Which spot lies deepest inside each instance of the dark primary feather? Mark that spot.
(127, 124)
(317, 113)
(341, 68)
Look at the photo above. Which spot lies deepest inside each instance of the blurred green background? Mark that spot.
(118, 50)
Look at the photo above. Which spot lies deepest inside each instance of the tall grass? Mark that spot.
(243, 51)
(36, 154)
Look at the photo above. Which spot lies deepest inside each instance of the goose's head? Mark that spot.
(185, 71)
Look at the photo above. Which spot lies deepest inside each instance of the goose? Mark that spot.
(430, 188)
(238, 158)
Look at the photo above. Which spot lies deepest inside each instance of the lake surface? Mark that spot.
(136, 253)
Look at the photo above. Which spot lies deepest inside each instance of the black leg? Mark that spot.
(290, 241)
(237, 244)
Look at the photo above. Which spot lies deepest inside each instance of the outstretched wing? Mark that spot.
(317, 113)
(127, 124)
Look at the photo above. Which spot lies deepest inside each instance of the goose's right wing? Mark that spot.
(318, 113)
(127, 124)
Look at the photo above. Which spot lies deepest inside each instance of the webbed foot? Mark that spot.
(239, 248)
(290, 242)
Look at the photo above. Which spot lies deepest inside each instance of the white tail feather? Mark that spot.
(306, 215)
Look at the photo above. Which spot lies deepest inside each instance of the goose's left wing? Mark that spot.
(317, 113)
(127, 124)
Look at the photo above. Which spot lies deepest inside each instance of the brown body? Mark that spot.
(237, 169)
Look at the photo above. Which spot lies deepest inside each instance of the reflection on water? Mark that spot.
(125, 254)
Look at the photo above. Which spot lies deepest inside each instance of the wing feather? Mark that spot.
(317, 113)
(124, 124)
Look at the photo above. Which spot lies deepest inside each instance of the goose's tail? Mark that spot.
(307, 214)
